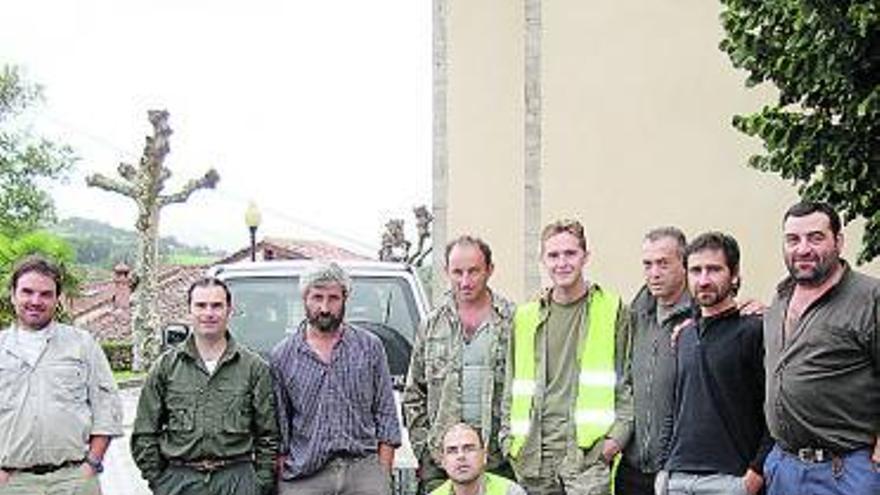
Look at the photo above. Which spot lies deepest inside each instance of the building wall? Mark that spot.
(636, 104)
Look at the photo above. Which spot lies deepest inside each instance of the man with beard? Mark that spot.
(719, 437)
(457, 369)
(661, 305)
(823, 364)
(59, 406)
(335, 406)
(205, 420)
(464, 456)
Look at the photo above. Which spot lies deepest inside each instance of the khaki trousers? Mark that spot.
(65, 481)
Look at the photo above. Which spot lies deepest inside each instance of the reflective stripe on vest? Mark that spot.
(594, 409)
(495, 485)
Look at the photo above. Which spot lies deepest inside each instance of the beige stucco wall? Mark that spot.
(636, 108)
(485, 122)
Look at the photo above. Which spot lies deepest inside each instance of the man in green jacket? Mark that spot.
(205, 420)
(567, 409)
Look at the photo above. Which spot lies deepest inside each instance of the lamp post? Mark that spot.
(252, 220)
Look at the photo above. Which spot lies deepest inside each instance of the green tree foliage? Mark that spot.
(25, 160)
(823, 133)
(53, 247)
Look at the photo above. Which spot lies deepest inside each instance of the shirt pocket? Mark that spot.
(181, 411)
(67, 378)
(239, 411)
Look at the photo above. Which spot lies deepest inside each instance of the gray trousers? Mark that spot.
(65, 481)
(343, 476)
(705, 484)
(237, 479)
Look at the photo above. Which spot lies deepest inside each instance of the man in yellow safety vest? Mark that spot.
(464, 456)
(568, 401)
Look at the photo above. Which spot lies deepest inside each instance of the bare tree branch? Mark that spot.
(108, 184)
(207, 181)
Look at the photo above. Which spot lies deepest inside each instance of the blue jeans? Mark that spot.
(854, 474)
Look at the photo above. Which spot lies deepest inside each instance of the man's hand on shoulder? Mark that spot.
(751, 307)
(676, 331)
(753, 482)
(610, 448)
(4, 477)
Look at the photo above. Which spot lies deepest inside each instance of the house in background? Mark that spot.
(104, 307)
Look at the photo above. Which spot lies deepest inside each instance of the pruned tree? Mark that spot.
(144, 184)
(395, 246)
(823, 133)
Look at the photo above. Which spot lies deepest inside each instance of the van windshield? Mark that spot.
(265, 309)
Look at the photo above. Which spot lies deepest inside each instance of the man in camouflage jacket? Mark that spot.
(457, 369)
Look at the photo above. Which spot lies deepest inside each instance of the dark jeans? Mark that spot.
(631, 481)
(851, 474)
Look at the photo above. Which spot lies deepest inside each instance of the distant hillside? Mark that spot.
(100, 245)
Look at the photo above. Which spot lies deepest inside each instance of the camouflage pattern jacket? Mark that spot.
(432, 396)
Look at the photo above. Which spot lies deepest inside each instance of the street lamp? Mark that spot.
(252, 220)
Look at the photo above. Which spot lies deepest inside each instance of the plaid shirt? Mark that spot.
(344, 408)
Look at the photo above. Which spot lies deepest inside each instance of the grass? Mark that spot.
(125, 375)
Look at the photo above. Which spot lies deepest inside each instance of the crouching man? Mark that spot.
(464, 460)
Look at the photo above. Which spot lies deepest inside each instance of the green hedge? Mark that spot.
(118, 352)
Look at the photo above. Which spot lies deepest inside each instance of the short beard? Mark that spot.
(326, 322)
(824, 269)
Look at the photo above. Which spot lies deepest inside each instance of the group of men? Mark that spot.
(213, 417)
(682, 391)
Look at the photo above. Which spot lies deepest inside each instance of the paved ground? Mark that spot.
(121, 476)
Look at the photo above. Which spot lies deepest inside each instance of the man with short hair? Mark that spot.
(59, 406)
(567, 410)
(719, 438)
(205, 420)
(457, 368)
(336, 410)
(463, 457)
(823, 364)
(661, 305)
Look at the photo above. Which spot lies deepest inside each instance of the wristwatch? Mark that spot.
(96, 464)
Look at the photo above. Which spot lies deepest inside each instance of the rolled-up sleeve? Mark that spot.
(104, 400)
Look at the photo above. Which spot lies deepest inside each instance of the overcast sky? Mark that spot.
(320, 112)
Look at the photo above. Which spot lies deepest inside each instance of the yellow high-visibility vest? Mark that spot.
(594, 409)
(495, 485)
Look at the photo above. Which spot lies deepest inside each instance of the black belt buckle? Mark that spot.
(812, 455)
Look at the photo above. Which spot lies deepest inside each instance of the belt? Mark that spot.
(41, 469)
(813, 455)
(211, 464)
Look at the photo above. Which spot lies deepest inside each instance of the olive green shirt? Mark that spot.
(574, 460)
(186, 413)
